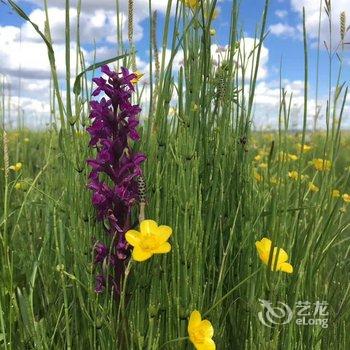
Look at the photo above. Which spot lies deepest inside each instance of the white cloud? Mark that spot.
(281, 13)
(312, 11)
(284, 30)
(267, 102)
(141, 6)
(95, 26)
(97, 20)
(29, 58)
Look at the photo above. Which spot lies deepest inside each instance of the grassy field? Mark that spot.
(218, 184)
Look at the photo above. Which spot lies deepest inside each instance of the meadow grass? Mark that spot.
(221, 187)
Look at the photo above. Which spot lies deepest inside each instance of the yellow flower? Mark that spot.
(137, 77)
(282, 157)
(193, 4)
(263, 165)
(195, 107)
(274, 180)
(264, 248)
(346, 198)
(322, 164)
(151, 240)
(335, 193)
(303, 148)
(292, 157)
(313, 187)
(257, 176)
(26, 140)
(18, 186)
(263, 153)
(212, 32)
(200, 332)
(294, 175)
(17, 167)
(258, 157)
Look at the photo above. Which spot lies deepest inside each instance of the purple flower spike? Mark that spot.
(100, 283)
(101, 252)
(115, 169)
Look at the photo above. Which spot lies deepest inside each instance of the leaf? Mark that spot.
(77, 85)
(21, 13)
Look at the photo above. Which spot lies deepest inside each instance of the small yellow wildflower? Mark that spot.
(269, 137)
(322, 164)
(257, 176)
(151, 240)
(263, 153)
(17, 167)
(258, 157)
(18, 186)
(294, 175)
(346, 198)
(137, 78)
(200, 332)
(335, 193)
(195, 107)
(292, 157)
(274, 180)
(282, 157)
(303, 148)
(263, 165)
(264, 248)
(313, 187)
(193, 4)
(212, 32)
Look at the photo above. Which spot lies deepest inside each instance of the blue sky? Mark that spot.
(283, 44)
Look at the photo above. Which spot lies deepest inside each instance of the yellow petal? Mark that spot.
(148, 226)
(195, 320)
(207, 328)
(163, 248)
(286, 267)
(164, 232)
(266, 243)
(139, 254)
(263, 248)
(282, 255)
(132, 237)
(207, 345)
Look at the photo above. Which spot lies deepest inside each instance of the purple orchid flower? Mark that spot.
(115, 169)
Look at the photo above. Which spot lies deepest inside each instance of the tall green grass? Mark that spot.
(200, 179)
